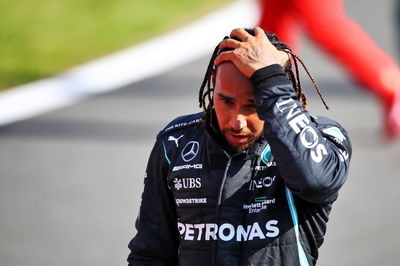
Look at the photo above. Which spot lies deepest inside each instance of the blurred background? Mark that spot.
(43, 38)
(71, 179)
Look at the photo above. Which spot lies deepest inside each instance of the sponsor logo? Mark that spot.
(309, 137)
(299, 122)
(258, 205)
(190, 151)
(177, 184)
(335, 133)
(228, 232)
(191, 201)
(187, 183)
(261, 167)
(261, 183)
(343, 155)
(338, 137)
(172, 138)
(182, 124)
(187, 166)
(264, 167)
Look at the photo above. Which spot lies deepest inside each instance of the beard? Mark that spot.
(238, 147)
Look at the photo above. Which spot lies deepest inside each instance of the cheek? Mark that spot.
(221, 113)
(255, 124)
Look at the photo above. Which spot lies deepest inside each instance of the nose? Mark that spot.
(238, 122)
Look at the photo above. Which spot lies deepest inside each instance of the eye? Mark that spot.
(226, 101)
(250, 106)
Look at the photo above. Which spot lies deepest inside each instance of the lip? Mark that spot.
(237, 138)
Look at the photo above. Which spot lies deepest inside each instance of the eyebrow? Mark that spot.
(250, 100)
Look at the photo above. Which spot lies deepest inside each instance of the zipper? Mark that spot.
(221, 188)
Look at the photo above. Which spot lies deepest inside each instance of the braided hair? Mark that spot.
(206, 92)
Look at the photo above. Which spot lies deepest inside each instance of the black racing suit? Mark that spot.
(267, 205)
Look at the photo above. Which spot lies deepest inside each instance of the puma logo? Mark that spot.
(172, 138)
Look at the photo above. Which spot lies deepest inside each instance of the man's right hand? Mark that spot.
(251, 53)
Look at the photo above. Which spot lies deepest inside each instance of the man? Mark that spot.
(251, 180)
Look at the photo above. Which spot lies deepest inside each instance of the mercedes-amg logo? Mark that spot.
(190, 151)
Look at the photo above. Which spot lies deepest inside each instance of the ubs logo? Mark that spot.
(190, 151)
(189, 182)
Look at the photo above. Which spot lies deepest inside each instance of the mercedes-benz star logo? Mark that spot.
(190, 151)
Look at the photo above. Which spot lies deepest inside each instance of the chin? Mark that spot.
(238, 147)
(242, 147)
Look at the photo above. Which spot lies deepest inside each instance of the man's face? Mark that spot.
(235, 107)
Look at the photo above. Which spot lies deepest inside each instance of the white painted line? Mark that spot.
(123, 68)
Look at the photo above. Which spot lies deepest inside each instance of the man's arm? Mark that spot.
(313, 158)
(156, 241)
(312, 154)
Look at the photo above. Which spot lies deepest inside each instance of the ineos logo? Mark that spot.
(309, 133)
(190, 151)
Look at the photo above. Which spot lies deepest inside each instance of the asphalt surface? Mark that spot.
(70, 180)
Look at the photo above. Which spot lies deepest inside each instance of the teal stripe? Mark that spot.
(260, 199)
(293, 213)
(266, 154)
(165, 154)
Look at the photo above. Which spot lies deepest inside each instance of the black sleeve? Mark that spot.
(312, 154)
(156, 241)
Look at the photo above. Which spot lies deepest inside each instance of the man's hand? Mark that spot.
(251, 53)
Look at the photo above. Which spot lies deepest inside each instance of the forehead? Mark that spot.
(229, 81)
